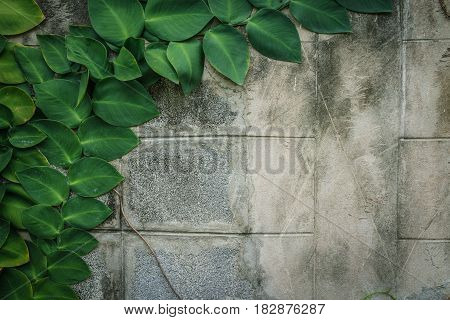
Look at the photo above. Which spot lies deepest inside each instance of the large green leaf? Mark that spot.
(230, 11)
(125, 66)
(58, 100)
(102, 140)
(272, 33)
(90, 53)
(85, 213)
(36, 268)
(92, 177)
(47, 289)
(55, 53)
(25, 136)
(18, 16)
(14, 285)
(175, 20)
(62, 146)
(156, 57)
(123, 104)
(21, 160)
(4, 231)
(188, 60)
(11, 209)
(19, 102)
(269, 4)
(116, 20)
(6, 117)
(76, 240)
(14, 251)
(367, 6)
(5, 156)
(43, 221)
(227, 51)
(66, 267)
(45, 185)
(11, 72)
(322, 16)
(33, 65)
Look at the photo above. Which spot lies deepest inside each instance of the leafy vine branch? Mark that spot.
(66, 109)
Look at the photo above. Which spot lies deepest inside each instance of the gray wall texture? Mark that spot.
(325, 180)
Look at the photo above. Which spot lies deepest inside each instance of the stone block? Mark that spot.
(220, 267)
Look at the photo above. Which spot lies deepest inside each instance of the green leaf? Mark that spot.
(33, 64)
(149, 77)
(4, 231)
(269, 4)
(230, 11)
(92, 177)
(123, 104)
(55, 53)
(36, 268)
(367, 6)
(47, 289)
(227, 51)
(6, 117)
(150, 37)
(62, 146)
(85, 213)
(102, 140)
(19, 102)
(272, 34)
(58, 100)
(45, 185)
(116, 20)
(86, 32)
(11, 72)
(321, 16)
(43, 221)
(188, 60)
(76, 240)
(156, 57)
(5, 157)
(175, 20)
(11, 209)
(136, 46)
(125, 66)
(19, 16)
(3, 42)
(17, 189)
(14, 285)
(66, 267)
(90, 53)
(25, 136)
(84, 82)
(46, 246)
(14, 251)
(21, 160)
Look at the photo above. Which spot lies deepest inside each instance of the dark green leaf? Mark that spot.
(14, 285)
(269, 4)
(66, 267)
(46, 246)
(76, 240)
(136, 46)
(102, 140)
(25, 136)
(321, 16)
(47, 289)
(92, 177)
(116, 20)
(85, 213)
(21, 160)
(4, 231)
(11, 73)
(43, 221)
(6, 117)
(54, 51)
(33, 64)
(17, 189)
(125, 66)
(123, 104)
(86, 32)
(5, 157)
(84, 82)
(175, 20)
(188, 60)
(62, 147)
(19, 102)
(45, 185)
(367, 6)
(11, 209)
(3, 42)
(36, 268)
(14, 251)
(19, 16)
(272, 33)
(227, 51)
(230, 11)
(156, 57)
(149, 77)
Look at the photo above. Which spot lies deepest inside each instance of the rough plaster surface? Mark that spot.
(342, 220)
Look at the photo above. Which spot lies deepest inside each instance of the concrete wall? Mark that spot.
(328, 179)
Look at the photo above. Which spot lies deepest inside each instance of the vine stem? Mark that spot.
(149, 246)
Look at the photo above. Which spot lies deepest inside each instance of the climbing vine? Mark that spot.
(66, 108)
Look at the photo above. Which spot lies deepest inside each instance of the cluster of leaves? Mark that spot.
(89, 88)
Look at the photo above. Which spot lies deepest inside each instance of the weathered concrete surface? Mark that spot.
(220, 267)
(424, 189)
(427, 89)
